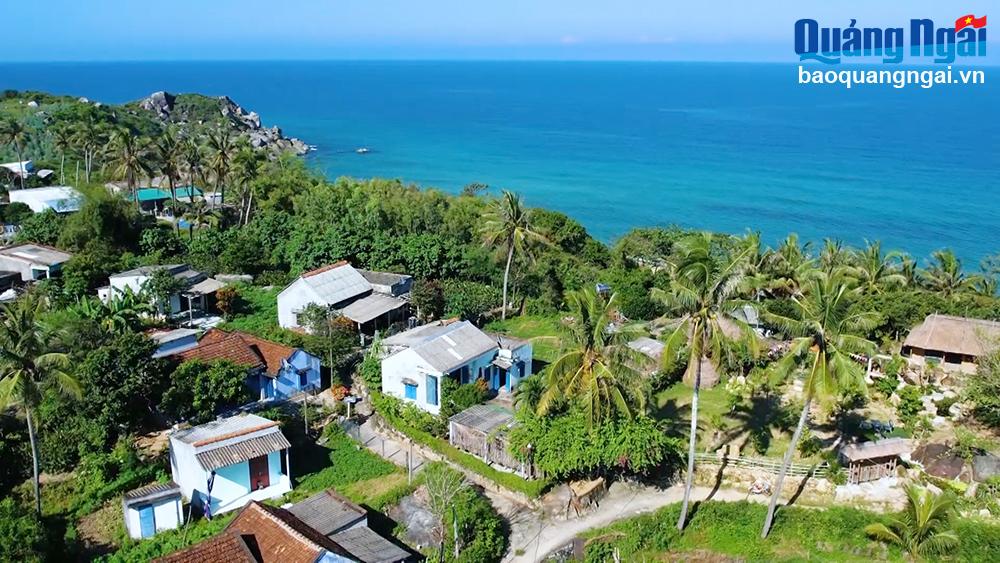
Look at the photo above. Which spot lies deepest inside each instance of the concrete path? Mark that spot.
(388, 448)
(535, 537)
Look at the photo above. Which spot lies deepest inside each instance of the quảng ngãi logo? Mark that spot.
(942, 44)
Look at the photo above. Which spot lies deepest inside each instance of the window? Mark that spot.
(303, 379)
(410, 391)
(432, 390)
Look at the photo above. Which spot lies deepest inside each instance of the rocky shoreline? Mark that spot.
(166, 108)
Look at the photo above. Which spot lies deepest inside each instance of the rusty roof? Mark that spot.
(240, 348)
(280, 537)
(223, 548)
(242, 450)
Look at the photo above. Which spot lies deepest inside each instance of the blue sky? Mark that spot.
(62, 30)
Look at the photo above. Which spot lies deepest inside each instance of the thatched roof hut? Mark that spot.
(956, 342)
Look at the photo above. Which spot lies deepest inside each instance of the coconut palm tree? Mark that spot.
(221, 148)
(598, 370)
(169, 153)
(834, 256)
(14, 133)
(91, 138)
(945, 275)
(508, 226)
(703, 293)
(923, 528)
(876, 271)
(62, 140)
(824, 330)
(789, 266)
(246, 169)
(128, 158)
(191, 156)
(28, 366)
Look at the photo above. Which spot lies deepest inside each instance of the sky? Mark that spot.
(719, 30)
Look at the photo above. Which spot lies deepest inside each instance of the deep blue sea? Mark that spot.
(725, 147)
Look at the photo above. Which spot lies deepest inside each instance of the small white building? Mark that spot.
(419, 358)
(372, 300)
(135, 281)
(21, 169)
(33, 261)
(61, 199)
(152, 509)
(224, 464)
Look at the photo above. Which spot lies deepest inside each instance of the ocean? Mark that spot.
(618, 145)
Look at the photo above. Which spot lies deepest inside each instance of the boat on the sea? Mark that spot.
(363, 150)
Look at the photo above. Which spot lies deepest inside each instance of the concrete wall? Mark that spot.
(24, 268)
(167, 514)
(293, 299)
(136, 283)
(407, 364)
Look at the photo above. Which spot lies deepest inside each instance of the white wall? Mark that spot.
(293, 299)
(407, 364)
(167, 514)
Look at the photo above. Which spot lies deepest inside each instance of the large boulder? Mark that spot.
(161, 103)
(985, 467)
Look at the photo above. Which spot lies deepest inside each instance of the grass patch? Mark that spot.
(733, 529)
(338, 464)
(546, 333)
(169, 541)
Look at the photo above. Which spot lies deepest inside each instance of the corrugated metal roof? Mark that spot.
(152, 492)
(420, 334)
(243, 450)
(485, 418)
(371, 307)
(455, 348)
(327, 512)
(35, 254)
(206, 286)
(362, 542)
(383, 278)
(231, 426)
(337, 284)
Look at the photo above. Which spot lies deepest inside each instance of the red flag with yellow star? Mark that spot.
(970, 20)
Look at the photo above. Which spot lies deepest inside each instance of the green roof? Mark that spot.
(157, 194)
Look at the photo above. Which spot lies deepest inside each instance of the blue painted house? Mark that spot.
(224, 464)
(274, 371)
(419, 359)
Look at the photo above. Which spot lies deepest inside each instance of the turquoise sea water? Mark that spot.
(726, 147)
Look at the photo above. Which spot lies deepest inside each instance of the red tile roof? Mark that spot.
(240, 348)
(326, 268)
(277, 535)
(223, 548)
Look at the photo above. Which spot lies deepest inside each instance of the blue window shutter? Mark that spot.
(147, 523)
(410, 391)
(432, 390)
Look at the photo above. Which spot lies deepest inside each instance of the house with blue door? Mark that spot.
(224, 464)
(417, 361)
(274, 371)
(151, 509)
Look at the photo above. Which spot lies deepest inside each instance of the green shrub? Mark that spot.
(910, 405)
(22, 535)
(886, 385)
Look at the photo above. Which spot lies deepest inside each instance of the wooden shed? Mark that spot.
(482, 431)
(870, 461)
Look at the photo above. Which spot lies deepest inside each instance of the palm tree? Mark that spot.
(923, 528)
(703, 293)
(91, 138)
(944, 275)
(62, 140)
(221, 147)
(508, 225)
(28, 366)
(598, 371)
(824, 336)
(169, 152)
(128, 157)
(876, 271)
(833, 256)
(191, 155)
(789, 266)
(122, 313)
(246, 169)
(14, 133)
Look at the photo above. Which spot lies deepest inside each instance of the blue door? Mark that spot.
(432, 390)
(147, 524)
